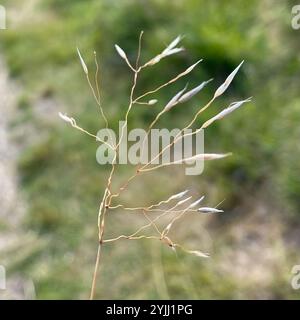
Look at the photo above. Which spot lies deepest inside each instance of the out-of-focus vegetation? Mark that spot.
(63, 183)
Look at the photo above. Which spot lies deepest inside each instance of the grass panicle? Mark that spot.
(178, 205)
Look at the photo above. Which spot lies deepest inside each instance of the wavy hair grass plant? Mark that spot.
(177, 206)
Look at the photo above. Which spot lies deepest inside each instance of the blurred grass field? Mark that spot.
(254, 244)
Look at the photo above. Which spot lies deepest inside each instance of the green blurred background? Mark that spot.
(253, 245)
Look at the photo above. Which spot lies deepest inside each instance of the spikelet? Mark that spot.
(203, 156)
(185, 97)
(173, 51)
(209, 210)
(179, 195)
(84, 67)
(170, 49)
(194, 204)
(191, 68)
(173, 44)
(66, 118)
(183, 201)
(198, 253)
(152, 102)
(233, 106)
(174, 100)
(121, 52)
(227, 82)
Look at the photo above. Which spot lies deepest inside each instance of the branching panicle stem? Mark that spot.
(163, 208)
